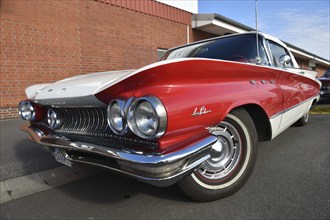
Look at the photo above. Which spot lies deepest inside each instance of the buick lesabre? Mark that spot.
(193, 119)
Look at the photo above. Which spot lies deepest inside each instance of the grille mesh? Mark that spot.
(92, 122)
(84, 121)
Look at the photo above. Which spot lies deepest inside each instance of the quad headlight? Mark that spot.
(27, 111)
(54, 119)
(31, 111)
(146, 117)
(116, 116)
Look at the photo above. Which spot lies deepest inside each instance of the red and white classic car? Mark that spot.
(193, 118)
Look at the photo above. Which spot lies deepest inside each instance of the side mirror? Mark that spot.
(284, 60)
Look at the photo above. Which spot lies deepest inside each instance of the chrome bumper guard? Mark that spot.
(156, 169)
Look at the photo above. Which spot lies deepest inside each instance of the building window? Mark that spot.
(311, 65)
(160, 53)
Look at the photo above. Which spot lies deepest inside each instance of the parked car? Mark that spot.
(325, 89)
(194, 118)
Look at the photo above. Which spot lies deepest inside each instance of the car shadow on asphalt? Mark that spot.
(103, 187)
(26, 157)
(107, 187)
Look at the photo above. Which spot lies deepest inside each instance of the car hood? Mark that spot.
(81, 89)
(77, 86)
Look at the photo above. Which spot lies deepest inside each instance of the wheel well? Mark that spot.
(260, 120)
(314, 103)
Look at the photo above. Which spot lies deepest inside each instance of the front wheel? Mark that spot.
(231, 161)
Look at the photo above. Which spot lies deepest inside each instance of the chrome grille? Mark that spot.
(84, 121)
(92, 122)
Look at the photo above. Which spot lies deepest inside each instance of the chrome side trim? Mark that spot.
(156, 169)
(292, 107)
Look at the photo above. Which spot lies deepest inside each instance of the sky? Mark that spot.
(303, 23)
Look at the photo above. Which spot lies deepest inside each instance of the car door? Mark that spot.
(291, 84)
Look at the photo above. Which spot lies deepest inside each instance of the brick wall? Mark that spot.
(304, 64)
(200, 35)
(44, 41)
(321, 70)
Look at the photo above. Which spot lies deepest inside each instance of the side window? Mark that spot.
(160, 53)
(262, 55)
(278, 51)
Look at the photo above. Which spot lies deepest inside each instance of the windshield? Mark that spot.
(241, 48)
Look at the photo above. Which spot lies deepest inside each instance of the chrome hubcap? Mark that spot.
(225, 153)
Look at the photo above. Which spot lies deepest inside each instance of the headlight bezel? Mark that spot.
(161, 114)
(54, 119)
(28, 105)
(123, 108)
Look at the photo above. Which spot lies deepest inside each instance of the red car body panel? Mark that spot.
(217, 88)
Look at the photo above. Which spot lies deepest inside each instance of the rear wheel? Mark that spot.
(302, 121)
(231, 162)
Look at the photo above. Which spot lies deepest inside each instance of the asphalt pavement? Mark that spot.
(20, 156)
(291, 180)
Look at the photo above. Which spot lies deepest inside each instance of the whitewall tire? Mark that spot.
(231, 161)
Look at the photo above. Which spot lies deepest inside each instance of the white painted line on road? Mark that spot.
(26, 185)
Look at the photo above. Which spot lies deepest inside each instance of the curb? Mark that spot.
(320, 110)
(33, 183)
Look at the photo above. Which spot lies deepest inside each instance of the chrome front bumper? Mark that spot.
(156, 169)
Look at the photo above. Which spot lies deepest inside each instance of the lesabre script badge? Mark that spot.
(201, 111)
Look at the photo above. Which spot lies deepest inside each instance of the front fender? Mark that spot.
(210, 88)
